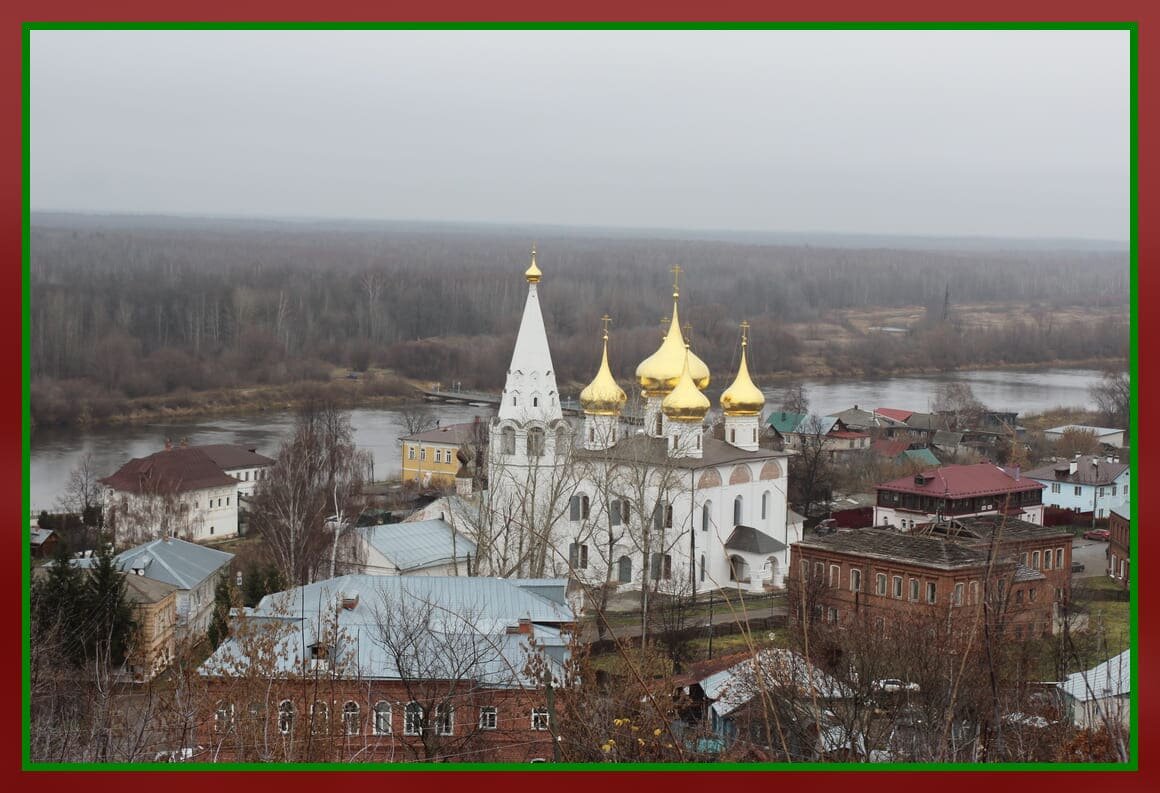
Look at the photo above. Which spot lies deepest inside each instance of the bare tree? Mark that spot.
(811, 467)
(1113, 397)
(795, 399)
(957, 405)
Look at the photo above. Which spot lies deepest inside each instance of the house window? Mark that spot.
(1123, 569)
(578, 556)
(438, 455)
(1125, 488)
(1047, 559)
(974, 592)
(285, 717)
(508, 438)
(578, 507)
(223, 717)
(855, 580)
(444, 720)
(319, 718)
(350, 720)
(819, 570)
(1035, 560)
(535, 442)
(1101, 492)
(423, 454)
(703, 567)
(835, 576)
(896, 582)
(1032, 593)
(1019, 596)
(539, 718)
(412, 718)
(1113, 490)
(832, 616)
(1100, 514)
(931, 591)
(880, 584)
(662, 566)
(737, 510)
(957, 597)
(211, 529)
(382, 718)
(1055, 487)
(488, 717)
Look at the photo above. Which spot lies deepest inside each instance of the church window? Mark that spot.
(578, 556)
(578, 507)
(705, 515)
(624, 570)
(591, 434)
(662, 566)
(702, 567)
(508, 438)
(535, 402)
(733, 436)
(535, 442)
(738, 505)
(765, 505)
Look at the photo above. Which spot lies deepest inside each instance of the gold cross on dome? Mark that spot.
(605, 321)
(676, 270)
(744, 332)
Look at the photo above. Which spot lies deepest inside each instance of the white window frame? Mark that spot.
(898, 589)
(412, 718)
(488, 717)
(931, 592)
(540, 721)
(855, 579)
(444, 720)
(351, 726)
(880, 585)
(287, 715)
(223, 716)
(835, 576)
(381, 716)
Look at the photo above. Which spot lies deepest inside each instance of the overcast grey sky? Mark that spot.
(1003, 133)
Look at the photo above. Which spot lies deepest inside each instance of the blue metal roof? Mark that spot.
(413, 546)
(173, 561)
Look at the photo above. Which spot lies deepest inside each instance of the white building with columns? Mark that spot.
(665, 506)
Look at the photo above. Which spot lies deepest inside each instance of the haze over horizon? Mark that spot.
(1005, 134)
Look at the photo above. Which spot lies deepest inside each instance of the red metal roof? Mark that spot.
(848, 434)
(894, 413)
(888, 448)
(171, 471)
(962, 481)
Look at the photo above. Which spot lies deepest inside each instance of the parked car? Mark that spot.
(1097, 534)
(893, 685)
(1077, 567)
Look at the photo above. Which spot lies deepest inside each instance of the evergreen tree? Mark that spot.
(223, 601)
(109, 625)
(57, 605)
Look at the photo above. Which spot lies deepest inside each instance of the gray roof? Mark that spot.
(750, 540)
(899, 547)
(947, 438)
(1112, 678)
(1101, 473)
(232, 455)
(139, 589)
(39, 535)
(984, 527)
(172, 561)
(646, 449)
(1084, 428)
(1025, 573)
(553, 589)
(779, 670)
(473, 615)
(413, 546)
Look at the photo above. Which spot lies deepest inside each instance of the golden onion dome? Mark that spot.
(658, 374)
(742, 398)
(533, 273)
(603, 397)
(685, 402)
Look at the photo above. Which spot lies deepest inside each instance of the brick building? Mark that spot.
(1119, 549)
(389, 669)
(886, 578)
(957, 491)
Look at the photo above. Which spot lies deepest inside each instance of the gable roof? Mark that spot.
(414, 546)
(176, 470)
(750, 540)
(228, 456)
(1098, 431)
(921, 456)
(772, 669)
(784, 422)
(1112, 678)
(1090, 470)
(960, 481)
(172, 561)
(898, 547)
(452, 434)
(895, 414)
(889, 449)
(139, 589)
(947, 438)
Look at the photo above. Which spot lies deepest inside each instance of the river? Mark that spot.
(54, 453)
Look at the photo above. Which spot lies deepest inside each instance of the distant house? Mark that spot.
(899, 451)
(193, 570)
(957, 491)
(429, 547)
(243, 463)
(178, 492)
(430, 458)
(1109, 436)
(866, 420)
(1101, 696)
(837, 437)
(1087, 483)
(42, 542)
(1120, 549)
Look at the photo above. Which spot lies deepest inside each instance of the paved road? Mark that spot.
(1092, 554)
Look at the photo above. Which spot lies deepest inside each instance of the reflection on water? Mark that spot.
(55, 453)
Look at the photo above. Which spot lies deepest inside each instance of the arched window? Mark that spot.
(286, 717)
(223, 717)
(508, 437)
(412, 718)
(732, 435)
(771, 563)
(535, 401)
(350, 720)
(765, 505)
(319, 718)
(737, 509)
(624, 570)
(578, 507)
(382, 718)
(535, 442)
(706, 515)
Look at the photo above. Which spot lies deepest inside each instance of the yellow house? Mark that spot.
(429, 457)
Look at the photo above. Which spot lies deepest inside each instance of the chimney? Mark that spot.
(168, 444)
(1072, 466)
(349, 600)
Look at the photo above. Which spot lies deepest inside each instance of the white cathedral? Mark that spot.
(663, 505)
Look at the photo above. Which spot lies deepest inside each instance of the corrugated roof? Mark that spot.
(173, 561)
(1102, 473)
(464, 636)
(784, 422)
(1112, 678)
(1085, 428)
(452, 434)
(888, 448)
(413, 546)
(895, 546)
(921, 456)
(139, 589)
(895, 414)
(960, 481)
